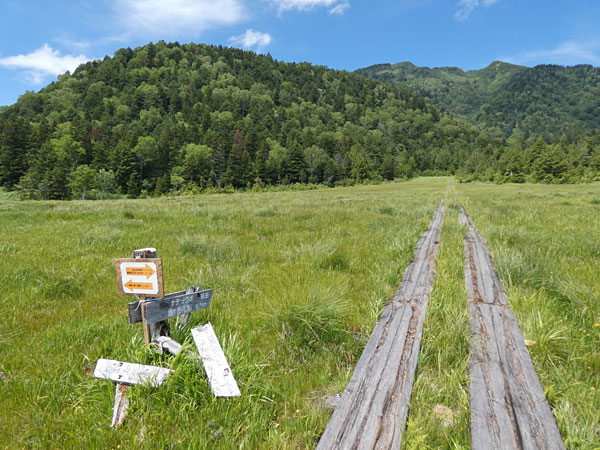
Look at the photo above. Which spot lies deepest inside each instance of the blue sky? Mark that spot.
(41, 39)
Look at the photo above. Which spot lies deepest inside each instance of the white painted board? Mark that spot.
(216, 367)
(140, 276)
(130, 373)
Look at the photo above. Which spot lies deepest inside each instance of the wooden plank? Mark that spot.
(508, 407)
(121, 405)
(216, 367)
(168, 344)
(183, 319)
(134, 311)
(171, 305)
(168, 307)
(130, 373)
(373, 408)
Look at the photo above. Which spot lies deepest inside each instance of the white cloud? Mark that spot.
(466, 7)
(252, 39)
(339, 9)
(566, 53)
(42, 63)
(174, 16)
(335, 6)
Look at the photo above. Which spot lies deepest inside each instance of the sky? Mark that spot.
(40, 39)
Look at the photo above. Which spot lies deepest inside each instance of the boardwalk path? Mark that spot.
(508, 407)
(372, 411)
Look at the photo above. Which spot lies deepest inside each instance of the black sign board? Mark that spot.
(169, 306)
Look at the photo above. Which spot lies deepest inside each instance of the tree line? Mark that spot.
(168, 118)
(538, 162)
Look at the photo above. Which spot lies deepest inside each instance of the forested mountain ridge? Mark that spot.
(168, 117)
(546, 101)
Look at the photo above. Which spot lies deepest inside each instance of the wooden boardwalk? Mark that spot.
(508, 407)
(371, 413)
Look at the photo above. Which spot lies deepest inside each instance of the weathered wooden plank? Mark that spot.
(183, 319)
(130, 373)
(508, 407)
(121, 405)
(216, 367)
(174, 348)
(171, 305)
(134, 310)
(168, 307)
(373, 408)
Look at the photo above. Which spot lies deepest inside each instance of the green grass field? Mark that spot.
(299, 279)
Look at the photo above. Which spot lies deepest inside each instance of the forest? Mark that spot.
(170, 118)
(546, 101)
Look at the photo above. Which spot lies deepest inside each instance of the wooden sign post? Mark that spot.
(142, 276)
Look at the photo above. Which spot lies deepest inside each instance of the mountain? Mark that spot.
(166, 118)
(546, 101)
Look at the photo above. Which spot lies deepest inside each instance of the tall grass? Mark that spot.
(299, 279)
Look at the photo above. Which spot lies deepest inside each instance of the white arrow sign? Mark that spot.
(142, 276)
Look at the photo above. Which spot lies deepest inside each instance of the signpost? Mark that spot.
(142, 276)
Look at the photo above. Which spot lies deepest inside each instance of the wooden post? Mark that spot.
(146, 327)
(121, 405)
(156, 329)
(183, 319)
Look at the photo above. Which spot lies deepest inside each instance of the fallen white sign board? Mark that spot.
(216, 367)
(129, 373)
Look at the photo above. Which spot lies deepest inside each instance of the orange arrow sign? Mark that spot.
(141, 271)
(144, 286)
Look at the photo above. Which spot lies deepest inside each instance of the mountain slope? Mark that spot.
(504, 99)
(169, 117)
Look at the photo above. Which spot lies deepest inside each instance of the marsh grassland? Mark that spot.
(299, 280)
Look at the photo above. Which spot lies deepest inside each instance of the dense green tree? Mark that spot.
(316, 163)
(82, 180)
(145, 152)
(296, 163)
(106, 182)
(550, 165)
(197, 163)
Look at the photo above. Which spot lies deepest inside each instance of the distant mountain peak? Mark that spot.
(543, 101)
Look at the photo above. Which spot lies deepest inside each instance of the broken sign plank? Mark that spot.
(121, 405)
(508, 406)
(129, 373)
(216, 367)
(174, 348)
